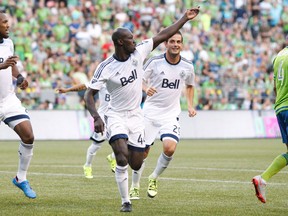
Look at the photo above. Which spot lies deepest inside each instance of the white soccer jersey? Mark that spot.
(6, 80)
(104, 98)
(123, 79)
(169, 80)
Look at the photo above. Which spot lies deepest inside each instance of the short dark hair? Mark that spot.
(178, 32)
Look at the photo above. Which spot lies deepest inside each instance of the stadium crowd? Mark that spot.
(231, 43)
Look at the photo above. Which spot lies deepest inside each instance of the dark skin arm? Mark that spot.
(22, 83)
(90, 104)
(166, 33)
(11, 61)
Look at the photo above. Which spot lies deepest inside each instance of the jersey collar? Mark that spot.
(170, 62)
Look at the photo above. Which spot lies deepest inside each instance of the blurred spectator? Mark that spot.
(231, 43)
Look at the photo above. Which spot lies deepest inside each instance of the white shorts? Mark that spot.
(167, 129)
(12, 112)
(126, 125)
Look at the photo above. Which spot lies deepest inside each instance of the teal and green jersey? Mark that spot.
(280, 67)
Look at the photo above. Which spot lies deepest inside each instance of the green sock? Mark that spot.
(278, 164)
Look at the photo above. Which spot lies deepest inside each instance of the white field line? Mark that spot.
(170, 167)
(162, 178)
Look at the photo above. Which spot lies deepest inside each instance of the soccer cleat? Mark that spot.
(126, 207)
(152, 188)
(25, 187)
(87, 172)
(260, 187)
(134, 193)
(112, 162)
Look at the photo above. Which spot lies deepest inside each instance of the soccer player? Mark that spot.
(122, 73)
(97, 138)
(12, 112)
(166, 75)
(280, 67)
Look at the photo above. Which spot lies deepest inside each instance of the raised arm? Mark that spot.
(166, 33)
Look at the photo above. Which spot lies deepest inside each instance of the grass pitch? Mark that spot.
(206, 177)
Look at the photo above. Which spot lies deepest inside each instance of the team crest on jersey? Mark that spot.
(134, 62)
(182, 74)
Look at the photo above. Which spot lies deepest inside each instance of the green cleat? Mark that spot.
(87, 172)
(112, 162)
(134, 193)
(152, 188)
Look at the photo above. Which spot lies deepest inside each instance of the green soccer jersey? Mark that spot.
(280, 66)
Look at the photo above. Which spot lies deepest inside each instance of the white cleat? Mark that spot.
(260, 188)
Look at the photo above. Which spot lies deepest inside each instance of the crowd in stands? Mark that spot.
(231, 44)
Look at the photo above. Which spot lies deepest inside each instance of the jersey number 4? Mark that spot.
(140, 139)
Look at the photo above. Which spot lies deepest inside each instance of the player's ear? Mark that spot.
(120, 42)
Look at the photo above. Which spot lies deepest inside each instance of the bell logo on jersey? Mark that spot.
(170, 85)
(1, 60)
(130, 79)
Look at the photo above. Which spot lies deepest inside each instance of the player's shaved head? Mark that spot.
(119, 33)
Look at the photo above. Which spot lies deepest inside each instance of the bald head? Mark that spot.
(120, 33)
(4, 25)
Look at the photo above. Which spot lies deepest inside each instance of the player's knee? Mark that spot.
(169, 152)
(29, 139)
(121, 160)
(136, 166)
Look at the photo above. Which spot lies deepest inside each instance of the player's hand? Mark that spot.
(60, 90)
(22, 83)
(98, 125)
(192, 13)
(9, 62)
(192, 112)
(151, 91)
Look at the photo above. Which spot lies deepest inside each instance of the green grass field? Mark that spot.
(206, 177)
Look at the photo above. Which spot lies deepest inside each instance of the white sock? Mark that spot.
(136, 175)
(121, 176)
(162, 164)
(25, 153)
(91, 152)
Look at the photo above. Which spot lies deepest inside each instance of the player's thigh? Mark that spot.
(170, 130)
(136, 131)
(151, 131)
(116, 126)
(282, 119)
(16, 117)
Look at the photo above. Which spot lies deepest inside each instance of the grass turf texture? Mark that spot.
(206, 177)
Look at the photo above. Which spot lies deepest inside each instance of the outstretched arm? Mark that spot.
(76, 88)
(166, 33)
